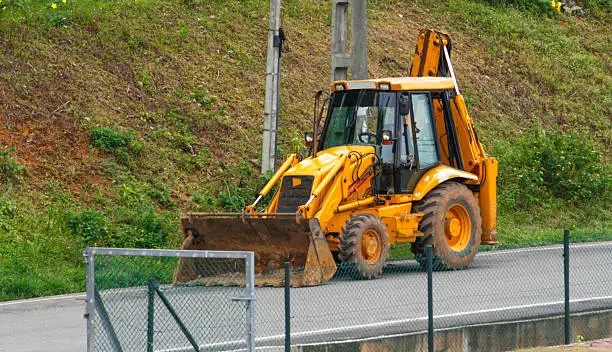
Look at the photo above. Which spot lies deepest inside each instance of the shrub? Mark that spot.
(245, 188)
(163, 195)
(108, 139)
(7, 212)
(203, 201)
(543, 165)
(93, 227)
(137, 226)
(201, 96)
(10, 168)
(121, 144)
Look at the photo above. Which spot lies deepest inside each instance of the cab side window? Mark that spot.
(425, 134)
(388, 123)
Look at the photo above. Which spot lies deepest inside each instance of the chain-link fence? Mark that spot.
(133, 305)
(505, 300)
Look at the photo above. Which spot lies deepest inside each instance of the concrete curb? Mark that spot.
(504, 336)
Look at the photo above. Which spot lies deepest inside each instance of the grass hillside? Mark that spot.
(116, 117)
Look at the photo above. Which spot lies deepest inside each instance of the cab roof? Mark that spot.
(397, 84)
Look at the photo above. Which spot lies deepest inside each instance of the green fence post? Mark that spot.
(151, 315)
(430, 328)
(566, 239)
(287, 307)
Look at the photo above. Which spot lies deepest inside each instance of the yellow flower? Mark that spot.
(4, 8)
(64, 1)
(54, 6)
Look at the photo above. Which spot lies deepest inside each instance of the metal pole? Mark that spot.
(430, 328)
(151, 316)
(90, 298)
(566, 239)
(287, 307)
(250, 290)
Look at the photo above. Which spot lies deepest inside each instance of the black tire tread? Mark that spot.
(349, 246)
(430, 206)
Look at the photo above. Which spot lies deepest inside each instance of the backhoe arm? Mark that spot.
(432, 58)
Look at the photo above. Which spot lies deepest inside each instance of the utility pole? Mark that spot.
(271, 104)
(341, 59)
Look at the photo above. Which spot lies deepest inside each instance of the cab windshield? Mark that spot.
(359, 117)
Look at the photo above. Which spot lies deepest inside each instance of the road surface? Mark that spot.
(500, 286)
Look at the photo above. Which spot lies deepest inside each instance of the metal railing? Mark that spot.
(133, 305)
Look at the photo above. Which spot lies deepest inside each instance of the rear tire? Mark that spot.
(452, 224)
(365, 243)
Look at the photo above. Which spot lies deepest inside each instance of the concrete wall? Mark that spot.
(490, 337)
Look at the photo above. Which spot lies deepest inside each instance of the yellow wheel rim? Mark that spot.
(370, 247)
(457, 227)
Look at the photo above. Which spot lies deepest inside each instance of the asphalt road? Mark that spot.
(500, 286)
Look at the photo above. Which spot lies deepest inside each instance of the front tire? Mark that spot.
(452, 224)
(365, 243)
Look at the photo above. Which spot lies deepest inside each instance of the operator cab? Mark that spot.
(407, 121)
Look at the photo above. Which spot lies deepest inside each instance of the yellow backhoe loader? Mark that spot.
(395, 160)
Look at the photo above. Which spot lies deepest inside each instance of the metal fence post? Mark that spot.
(287, 307)
(430, 329)
(90, 299)
(250, 290)
(566, 239)
(150, 316)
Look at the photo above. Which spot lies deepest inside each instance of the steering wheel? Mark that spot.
(370, 135)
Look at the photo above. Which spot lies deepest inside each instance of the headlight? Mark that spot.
(309, 138)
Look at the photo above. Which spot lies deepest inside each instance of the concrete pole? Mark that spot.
(268, 154)
(359, 40)
(341, 59)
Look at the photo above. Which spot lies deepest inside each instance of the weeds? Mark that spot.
(121, 144)
(10, 169)
(10, 175)
(93, 227)
(138, 226)
(244, 188)
(553, 6)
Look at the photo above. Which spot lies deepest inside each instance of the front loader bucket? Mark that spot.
(275, 239)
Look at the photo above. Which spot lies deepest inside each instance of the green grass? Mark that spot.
(120, 116)
(39, 256)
